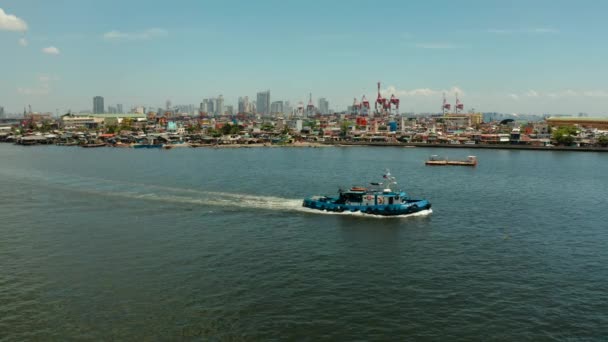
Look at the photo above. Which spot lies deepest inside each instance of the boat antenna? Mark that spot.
(390, 180)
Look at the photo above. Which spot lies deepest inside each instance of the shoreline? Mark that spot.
(476, 146)
(359, 144)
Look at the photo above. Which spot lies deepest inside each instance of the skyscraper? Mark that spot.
(1, 112)
(263, 102)
(244, 106)
(219, 109)
(98, 107)
(210, 106)
(119, 108)
(323, 106)
(276, 107)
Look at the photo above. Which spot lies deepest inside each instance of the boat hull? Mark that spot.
(328, 204)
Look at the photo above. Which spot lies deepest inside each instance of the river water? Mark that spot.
(102, 244)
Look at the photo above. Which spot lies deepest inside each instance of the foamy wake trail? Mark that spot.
(176, 195)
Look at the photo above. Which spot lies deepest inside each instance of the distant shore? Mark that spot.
(348, 144)
(476, 146)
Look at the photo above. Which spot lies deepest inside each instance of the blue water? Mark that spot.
(101, 244)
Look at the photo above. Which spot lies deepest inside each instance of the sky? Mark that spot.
(541, 56)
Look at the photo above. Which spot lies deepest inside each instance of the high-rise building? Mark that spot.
(276, 107)
(230, 110)
(323, 106)
(119, 108)
(263, 102)
(112, 110)
(1, 112)
(98, 107)
(287, 107)
(210, 106)
(244, 106)
(219, 108)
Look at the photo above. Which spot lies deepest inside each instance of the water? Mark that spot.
(101, 244)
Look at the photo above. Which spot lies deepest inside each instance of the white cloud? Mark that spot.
(531, 93)
(421, 92)
(34, 91)
(23, 42)
(51, 50)
(568, 93)
(544, 30)
(595, 93)
(437, 46)
(42, 88)
(10, 22)
(152, 33)
(538, 30)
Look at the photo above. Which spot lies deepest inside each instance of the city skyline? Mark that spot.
(538, 58)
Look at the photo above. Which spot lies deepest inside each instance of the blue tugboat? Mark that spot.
(377, 199)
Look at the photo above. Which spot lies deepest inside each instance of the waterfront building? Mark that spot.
(71, 121)
(584, 122)
(263, 102)
(98, 107)
(461, 119)
(323, 106)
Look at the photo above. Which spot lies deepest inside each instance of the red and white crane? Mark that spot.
(365, 107)
(381, 102)
(356, 107)
(394, 101)
(446, 106)
(459, 105)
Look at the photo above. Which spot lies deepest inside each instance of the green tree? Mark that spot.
(565, 135)
(191, 129)
(235, 129)
(603, 140)
(312, 124)
(344, 127)
(267, 127)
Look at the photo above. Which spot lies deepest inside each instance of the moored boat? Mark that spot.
(147, 145)
(434, 160)
(377, 199)
(94, 145)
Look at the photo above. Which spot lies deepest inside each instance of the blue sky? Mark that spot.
(508, 56)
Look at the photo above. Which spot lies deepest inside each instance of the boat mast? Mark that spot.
(390, 180)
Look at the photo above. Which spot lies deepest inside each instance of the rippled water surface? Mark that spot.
(213, 243)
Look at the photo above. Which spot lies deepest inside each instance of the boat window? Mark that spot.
(390, 200)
